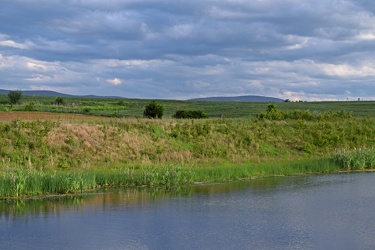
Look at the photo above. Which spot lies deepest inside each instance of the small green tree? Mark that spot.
(14, 96)
(59, 101)
(153, 110)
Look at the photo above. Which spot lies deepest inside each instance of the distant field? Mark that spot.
(122, 107)
(32, 116)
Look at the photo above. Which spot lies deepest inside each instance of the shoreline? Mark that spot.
(72, 189)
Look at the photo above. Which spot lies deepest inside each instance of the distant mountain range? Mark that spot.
(36, 93)
(53, 93)
(246, 98)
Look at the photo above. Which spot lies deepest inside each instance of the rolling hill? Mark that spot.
(53, 94)
(36, 93)
(247, 98)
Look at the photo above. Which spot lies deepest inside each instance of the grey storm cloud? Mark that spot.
(295, 49)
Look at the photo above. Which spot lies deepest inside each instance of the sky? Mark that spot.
(309, 50)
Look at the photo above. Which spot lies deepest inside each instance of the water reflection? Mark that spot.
(303, 212)
(131, 197)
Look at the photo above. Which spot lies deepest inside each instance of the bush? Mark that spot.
(14, 96)
(273, 113)
(190, 114)
(153, 110)
(30, 107)
(121, 103)
(59, 101)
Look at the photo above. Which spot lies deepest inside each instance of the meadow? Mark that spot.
(133, 108)
(95, 143)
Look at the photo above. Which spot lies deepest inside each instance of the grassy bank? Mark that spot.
(71, 156)
(29, 182)
(26, 182)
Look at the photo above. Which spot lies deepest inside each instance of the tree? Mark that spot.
(59, 101)
(14, 96)
(153, 110)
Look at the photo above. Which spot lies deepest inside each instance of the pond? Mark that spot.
(301, 212)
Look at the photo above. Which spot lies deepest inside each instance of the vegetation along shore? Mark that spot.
(60, 153)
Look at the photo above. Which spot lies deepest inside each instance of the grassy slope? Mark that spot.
(79, 155)
(54, 156)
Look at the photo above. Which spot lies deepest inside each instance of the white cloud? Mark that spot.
(36, 67)
(345, 70)
(115, 63)
(39, 78)
(366, 36)
(10, 43)
(6, 42)
(296, 49)
(114, 81)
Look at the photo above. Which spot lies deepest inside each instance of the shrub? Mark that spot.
(14, 96)
(273, 113)
(59, 101)
(190, 114)
(30, 107)
(121, 103)
(86, 110)
(153, 110)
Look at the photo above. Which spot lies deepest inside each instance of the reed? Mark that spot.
(247, 171)
(24, 182)
(360, 159)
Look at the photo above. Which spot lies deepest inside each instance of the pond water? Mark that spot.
(303, 212)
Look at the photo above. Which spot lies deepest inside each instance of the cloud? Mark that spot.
(344, 70)
(366, 36)
(295, 49)
(13, 44)
(114, 81)
(6, 42)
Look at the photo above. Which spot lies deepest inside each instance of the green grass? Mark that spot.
(60, 157)
(26, 182)
(360, 159)
(57, 144)
(36, 183)
(123, 107)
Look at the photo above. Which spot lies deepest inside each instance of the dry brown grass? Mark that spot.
(109, 143)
